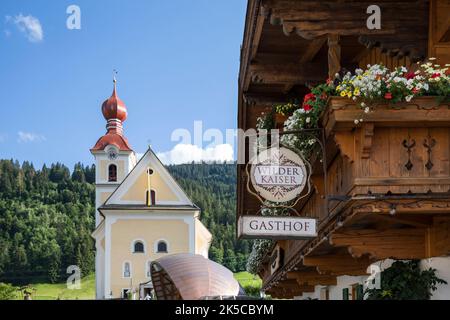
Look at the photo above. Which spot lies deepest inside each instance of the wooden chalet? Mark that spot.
(387, 184)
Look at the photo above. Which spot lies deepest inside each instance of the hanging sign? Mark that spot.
(278, 174)
(276, 227)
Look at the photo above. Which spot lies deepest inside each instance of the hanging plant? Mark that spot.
(404, 280)
(266, 121)
(307, 117)
(261, 247)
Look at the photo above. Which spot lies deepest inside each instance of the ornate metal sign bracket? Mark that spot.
(318, 135)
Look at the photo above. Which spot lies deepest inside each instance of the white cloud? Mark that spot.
(186, 153)
(25, 137)
(28, 25)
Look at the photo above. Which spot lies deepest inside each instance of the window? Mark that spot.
(357, 292)
(112, 173)
(126, 270)
(138, 247)
(345, 294)
(125, 293)
(152, 200)
(162, 247)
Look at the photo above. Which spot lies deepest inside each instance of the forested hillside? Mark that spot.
(47, 216)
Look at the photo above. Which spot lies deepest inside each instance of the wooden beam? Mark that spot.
(417, 222)
(338, 264)
(313, 48)
(407, 243)
(312, 278)
(257, 35)
(334, 55)
(283, 74)
(263, 99)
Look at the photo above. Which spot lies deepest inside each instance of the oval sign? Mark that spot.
(278, 174)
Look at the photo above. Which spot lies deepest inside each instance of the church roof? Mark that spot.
(114, 139)
(114, 201)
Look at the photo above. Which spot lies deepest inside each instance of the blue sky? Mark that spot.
(177, 62)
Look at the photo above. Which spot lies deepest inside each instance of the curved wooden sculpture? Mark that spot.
(188, 276)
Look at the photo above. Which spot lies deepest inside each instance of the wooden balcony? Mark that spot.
(388, 184)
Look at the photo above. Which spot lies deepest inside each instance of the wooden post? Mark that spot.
(334, 55)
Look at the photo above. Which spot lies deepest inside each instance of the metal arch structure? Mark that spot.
(187, 276)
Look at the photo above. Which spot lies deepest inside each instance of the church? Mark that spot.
(142, 212)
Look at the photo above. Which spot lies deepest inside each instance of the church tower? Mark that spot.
(113, 155)
(142, 213)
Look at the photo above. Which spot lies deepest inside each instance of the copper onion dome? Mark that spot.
(114, 107)
(115, 112)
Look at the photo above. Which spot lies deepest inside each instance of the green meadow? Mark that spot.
(48, 291)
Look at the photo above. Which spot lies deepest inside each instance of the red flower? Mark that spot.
(308, 97)
(435, 75)
(410, 75)
(415, 90)
(307, 107)
(388, 96)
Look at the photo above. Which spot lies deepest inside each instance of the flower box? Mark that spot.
(429, 111)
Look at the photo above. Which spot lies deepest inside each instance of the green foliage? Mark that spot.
(212, 187)
(266, 121)
(7, 292)
(404, 280)
(46, 217)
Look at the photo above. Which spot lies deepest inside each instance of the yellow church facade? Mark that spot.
(142, 213)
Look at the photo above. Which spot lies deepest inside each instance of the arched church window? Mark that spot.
(112, 173)
(138, 247)
(162, 247)
(126, 270)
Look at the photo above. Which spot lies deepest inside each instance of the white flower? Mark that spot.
(366, 109)
(308, 120)
(356, 121)
(432, 58)
(408, 98)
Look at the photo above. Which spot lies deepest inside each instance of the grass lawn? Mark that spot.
(247, 279)
(49, 291)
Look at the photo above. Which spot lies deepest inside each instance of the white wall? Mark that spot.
(442, 266)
